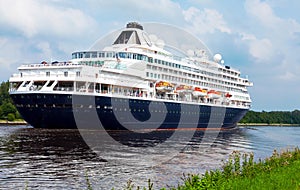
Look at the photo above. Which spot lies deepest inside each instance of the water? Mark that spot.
(60, 159)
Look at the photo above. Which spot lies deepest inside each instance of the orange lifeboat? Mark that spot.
(182, 89)
(199, 92)
(212, 94)
(164, 86)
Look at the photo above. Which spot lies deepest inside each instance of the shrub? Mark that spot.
(11, 117)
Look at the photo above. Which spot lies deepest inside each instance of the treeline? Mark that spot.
(273, 117)
(7, 109)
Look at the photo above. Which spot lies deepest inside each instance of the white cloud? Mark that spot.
(116, 11)
(288, 76)
(37, 17)
(260, 49)
(262, 11)
(45, 49)
(10, 51)
(206, 21)
(278, 41)
(274, 25)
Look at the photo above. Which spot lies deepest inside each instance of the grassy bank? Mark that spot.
(280, 171)
(16, 122)
(268, 124)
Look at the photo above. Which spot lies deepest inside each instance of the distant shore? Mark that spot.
(267, 124)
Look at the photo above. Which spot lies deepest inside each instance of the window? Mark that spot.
(94, 54)
(48, 73)
(66, 73)
(101, 54)
(109, 54)
(78, 74)
(87, 55)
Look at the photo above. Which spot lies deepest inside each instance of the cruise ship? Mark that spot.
(131, 84)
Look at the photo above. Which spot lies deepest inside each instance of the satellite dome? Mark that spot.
(217, 58)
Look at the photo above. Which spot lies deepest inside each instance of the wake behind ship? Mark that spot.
(131, 84)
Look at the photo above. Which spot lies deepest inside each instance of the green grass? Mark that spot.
(280, 171)
(286, 177)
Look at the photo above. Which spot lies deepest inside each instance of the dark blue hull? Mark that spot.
(71, 111)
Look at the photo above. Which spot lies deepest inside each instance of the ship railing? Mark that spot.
(46, 64)
(43, 75)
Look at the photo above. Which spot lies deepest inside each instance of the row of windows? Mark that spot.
(120, 109)
(202, 77)
(195, 82)
(42, 96)
(125, 55)
(128, 55)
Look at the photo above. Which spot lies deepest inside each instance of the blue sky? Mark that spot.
(261, 38)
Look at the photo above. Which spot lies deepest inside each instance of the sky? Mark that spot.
(260, 38)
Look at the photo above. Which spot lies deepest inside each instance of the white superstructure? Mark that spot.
(133, 66)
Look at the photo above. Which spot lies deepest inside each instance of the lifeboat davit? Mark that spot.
(212, 94)
(164, 86)
(199, 92)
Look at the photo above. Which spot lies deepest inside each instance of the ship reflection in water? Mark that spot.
(60, 159)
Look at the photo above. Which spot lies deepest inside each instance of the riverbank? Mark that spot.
(280, 171)
(266, 124)
(17, 122)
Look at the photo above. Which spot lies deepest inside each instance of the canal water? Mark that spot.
(60, 159)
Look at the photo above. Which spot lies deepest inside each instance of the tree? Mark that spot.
(1, 113)
(11, 117)
(278, 117)
(4, 95)
(7, 108)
